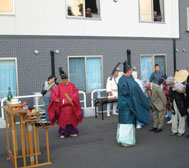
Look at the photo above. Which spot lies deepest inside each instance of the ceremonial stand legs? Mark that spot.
(33, 153)
(35, 144)
(7, 134)
(95, 111)
(14, 159)
(102, 104)
(47, 144)
(22, 140)
(37, 134)
(102, 111)
(31, 144)
(27, 140)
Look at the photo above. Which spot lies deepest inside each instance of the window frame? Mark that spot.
(153, 61)
(187, 17)
(81, 17)
(162, 22)
(16, 66)
(85, 58)
(9, 14)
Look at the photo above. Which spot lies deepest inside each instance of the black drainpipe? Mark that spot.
(52, 63)
(129, 57)
(174, 55)
(128, 52)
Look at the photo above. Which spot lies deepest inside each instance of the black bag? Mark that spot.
(43, 92)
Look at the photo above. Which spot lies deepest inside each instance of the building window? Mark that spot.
(83, 9)
(8, 76)
(151, 10)
(6, 6)
(147, 63)
(86, 72)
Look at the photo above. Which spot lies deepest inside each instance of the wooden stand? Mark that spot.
(27, 145)
(14, 107)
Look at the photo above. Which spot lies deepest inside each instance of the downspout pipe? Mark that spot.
(174, 55)
(129, 57)
(52, 63)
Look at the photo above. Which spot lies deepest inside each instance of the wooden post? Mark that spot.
(13, 139)
(16, 141)
(7, 134)
(35, 143)
(27, 140)
(38, 148)
(22, 140)
(47, 143)
(31, 144)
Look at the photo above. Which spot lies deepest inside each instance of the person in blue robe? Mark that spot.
(133, 106)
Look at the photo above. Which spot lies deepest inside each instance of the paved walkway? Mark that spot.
(96, 147)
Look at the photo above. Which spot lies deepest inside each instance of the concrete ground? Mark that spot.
(96, 147)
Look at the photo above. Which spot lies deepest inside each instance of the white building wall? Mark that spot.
(48, 17)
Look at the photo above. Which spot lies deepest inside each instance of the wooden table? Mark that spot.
(30, 130)
(102, 101)
(10, 116)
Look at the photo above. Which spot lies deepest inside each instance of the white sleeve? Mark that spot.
(120, 75)
(141, 84)
(108, 85)
(179, 86)
(46, 85)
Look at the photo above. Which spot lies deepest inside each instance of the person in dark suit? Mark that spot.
(187, 101)
(178, 106)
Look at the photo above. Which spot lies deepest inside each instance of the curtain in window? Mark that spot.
(98, 6)
(145, 10)
(161, 61)
(6, 6)
(75, 7)
(92, 5)
(156, 6)
(77, 72)
(8, 78)
(161, 2)
(94, 74)
(146, 67)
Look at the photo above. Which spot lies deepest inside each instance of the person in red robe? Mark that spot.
(64, 108)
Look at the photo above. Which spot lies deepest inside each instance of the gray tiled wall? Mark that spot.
(183, 42)
(33, 69)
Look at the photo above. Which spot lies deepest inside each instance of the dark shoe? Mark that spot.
(173, 134)
(179, 135)
(153, 129)
(158, 130)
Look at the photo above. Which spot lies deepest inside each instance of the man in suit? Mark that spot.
(158, 103)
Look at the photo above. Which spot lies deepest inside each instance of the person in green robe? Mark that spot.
(133, 106)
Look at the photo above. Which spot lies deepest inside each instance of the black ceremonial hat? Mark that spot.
(63, 75)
